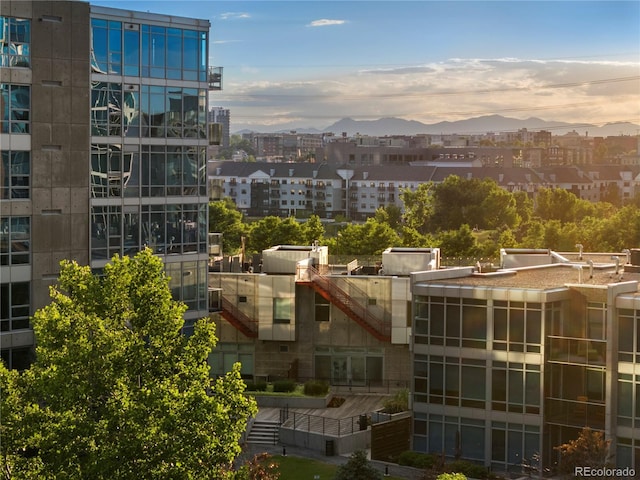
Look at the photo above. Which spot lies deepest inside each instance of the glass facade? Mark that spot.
(14, 306)
(148, 146)
(15, 42)
(15, 174)
(15, 106)
(15, 240)
(152, 51)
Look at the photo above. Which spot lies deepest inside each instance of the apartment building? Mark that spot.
(104, 136)
(509, 363)
(327, 190)
(295, 316)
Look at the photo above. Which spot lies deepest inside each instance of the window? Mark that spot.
(512, 444)
(14, 306)
(16, 106)
(322, 309)
(282, 310)
(15, 49)
(16, 168)
(17, 358)
(515, 387)
(457, 382)
(15, 240)
(517, 326)
(452, 435)
(115, 109)
(458, 322)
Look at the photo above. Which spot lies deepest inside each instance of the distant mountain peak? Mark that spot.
(477, 125)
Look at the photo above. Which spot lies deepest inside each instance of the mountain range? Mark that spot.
(477, 125)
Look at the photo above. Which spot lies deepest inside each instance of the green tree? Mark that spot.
(357, 468)
(225, 218)
(499, 209)
(524, 205)
(391, 214)
(458, 243)
(370, 238)
(418, 207)
(271, 231)
(312, 230)
(562, 205)
(117, 391)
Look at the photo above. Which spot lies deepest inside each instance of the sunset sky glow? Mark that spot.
(310, 63)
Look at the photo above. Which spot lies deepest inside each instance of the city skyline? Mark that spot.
(308, 64)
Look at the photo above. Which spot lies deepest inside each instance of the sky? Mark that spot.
(310, 63)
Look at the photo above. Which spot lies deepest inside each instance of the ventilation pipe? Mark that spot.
(617, 260)
(579, 268)
(579, 247)
(590, 263)
(627, 252)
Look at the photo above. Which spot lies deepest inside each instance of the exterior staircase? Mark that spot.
(328, 289)
(264, 432)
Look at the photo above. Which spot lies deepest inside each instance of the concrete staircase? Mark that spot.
(264, 432)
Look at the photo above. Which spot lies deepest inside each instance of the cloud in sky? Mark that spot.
(234, 15)
(595, 92)
(325, 22)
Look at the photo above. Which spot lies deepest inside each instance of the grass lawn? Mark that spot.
(298, 468)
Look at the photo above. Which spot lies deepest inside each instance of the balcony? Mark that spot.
(215, 78)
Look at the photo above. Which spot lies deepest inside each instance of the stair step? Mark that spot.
(264, 433)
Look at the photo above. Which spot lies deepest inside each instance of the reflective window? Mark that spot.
(517, 326)
(114, 111)
(14, 306)
(188, 283)
(172, 170)
(106, 48)
(173, 112)
(15, 106)
(14, 175)
(114, 170)
(15, 240)
(15, 39)
(515, 387)
(173, 53)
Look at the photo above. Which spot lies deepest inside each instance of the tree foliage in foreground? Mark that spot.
(590, 449)
(117, 391)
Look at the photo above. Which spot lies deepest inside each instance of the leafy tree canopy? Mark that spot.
(225, 218)
(116, 390)
(270, 231)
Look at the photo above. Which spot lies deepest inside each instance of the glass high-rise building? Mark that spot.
(103, 139)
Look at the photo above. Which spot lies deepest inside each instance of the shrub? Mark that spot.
(357, 468)
(257, 386)
(416, 459)
(316, 388)
(452, 476)
(469, 469)
(284, 386)
(398, 403)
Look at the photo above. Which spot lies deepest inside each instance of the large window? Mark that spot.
(457, 382)
(629, 400)
(14, 175)
(628, 335)
(188, 283)
(282, 310)
(15, 106)
(166, 229)
(514, 444)
(14, 306)
(515, 387)
(148, 50)
(15, 240)
(517, 326)
(15, 40)
(122, 170)
(457, 322)
(455, 437)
